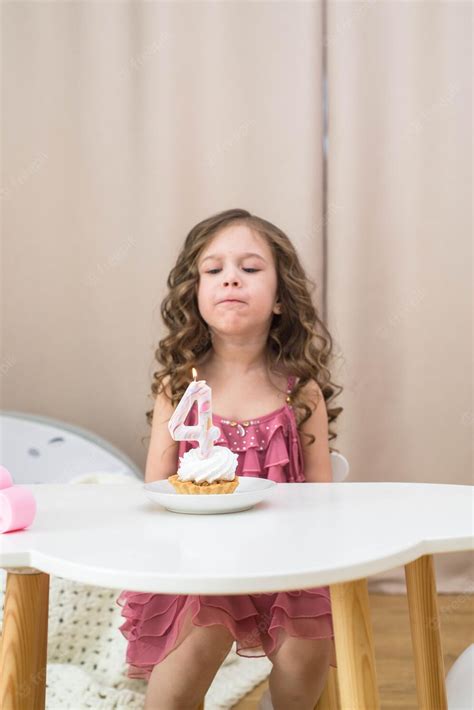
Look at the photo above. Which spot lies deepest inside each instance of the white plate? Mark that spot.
(251, 490)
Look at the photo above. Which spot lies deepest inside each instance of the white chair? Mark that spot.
(38, 449)
(340, 467)
(460, 681)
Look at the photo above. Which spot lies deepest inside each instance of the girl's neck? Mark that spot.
(212, 367)
(235, 363)
(240, 354)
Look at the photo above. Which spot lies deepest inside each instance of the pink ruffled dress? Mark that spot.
(155, 624)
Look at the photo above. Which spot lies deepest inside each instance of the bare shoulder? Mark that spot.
(163, 408)
(317, 461)
(162, 455)
(312, 391)
(166, 384)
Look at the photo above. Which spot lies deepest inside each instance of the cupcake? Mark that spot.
(211, 475)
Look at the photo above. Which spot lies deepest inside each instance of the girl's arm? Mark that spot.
(317, 459)
(162, 459)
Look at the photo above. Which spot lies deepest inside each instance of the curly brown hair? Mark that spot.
(298, 340)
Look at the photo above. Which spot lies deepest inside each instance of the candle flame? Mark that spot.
(194, 374)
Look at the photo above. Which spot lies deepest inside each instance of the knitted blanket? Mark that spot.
(86, 651)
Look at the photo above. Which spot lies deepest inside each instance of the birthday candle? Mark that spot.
(203, 432)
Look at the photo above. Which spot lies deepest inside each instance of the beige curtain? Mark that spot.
(125, 123)
(399, 244)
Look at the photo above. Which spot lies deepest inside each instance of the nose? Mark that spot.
(230, 277)
(231, 282)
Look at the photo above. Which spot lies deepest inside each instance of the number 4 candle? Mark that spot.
(204, 432)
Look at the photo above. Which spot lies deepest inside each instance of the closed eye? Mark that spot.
(214, 271)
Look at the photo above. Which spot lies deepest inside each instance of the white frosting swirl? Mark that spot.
(220, 465)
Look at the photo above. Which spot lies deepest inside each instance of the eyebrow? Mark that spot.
(248, 253)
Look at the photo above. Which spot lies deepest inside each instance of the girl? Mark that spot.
(239, 310)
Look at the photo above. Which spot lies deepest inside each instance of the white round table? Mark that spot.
(303, 535)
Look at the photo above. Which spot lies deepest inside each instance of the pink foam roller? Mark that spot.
(5, 478)
(17, 508)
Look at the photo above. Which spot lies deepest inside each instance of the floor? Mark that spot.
(392, 640)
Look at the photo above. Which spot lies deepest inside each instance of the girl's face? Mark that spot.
(237, 282)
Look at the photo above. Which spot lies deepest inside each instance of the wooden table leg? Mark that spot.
(425, 634)
(353, 636)
(23, 648)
